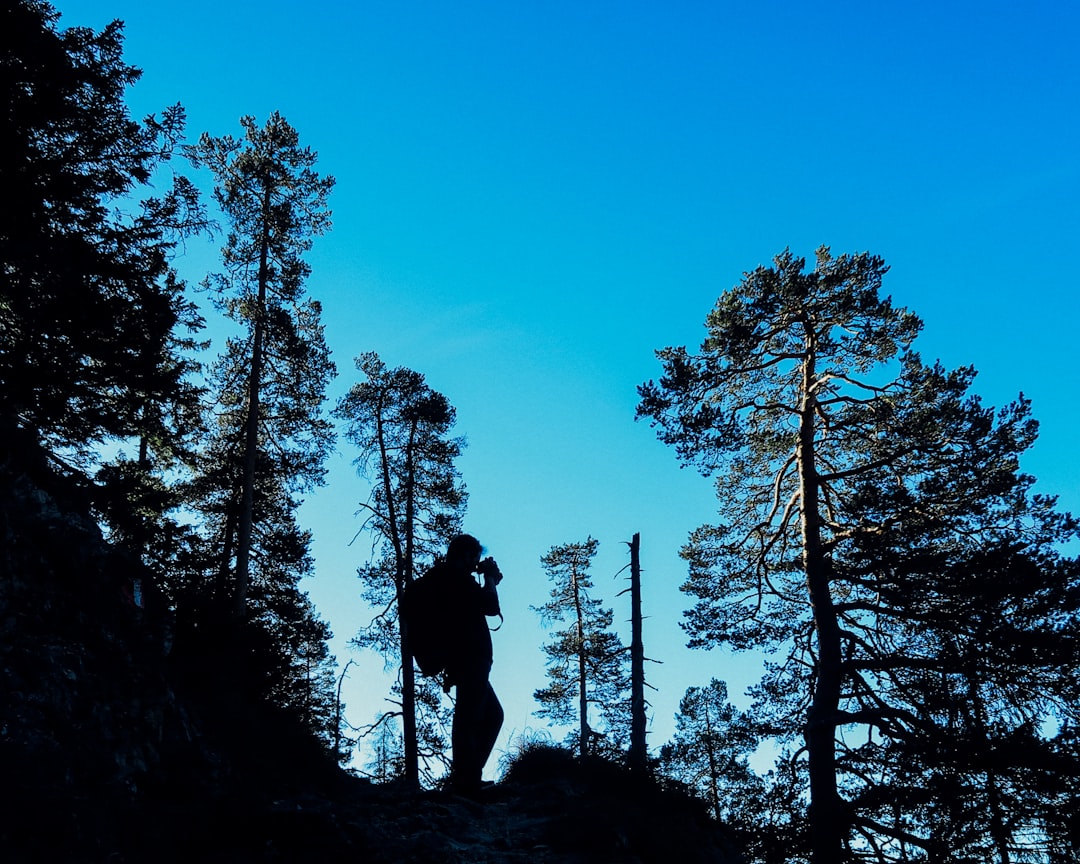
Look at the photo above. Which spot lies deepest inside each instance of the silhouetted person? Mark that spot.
(478, 716)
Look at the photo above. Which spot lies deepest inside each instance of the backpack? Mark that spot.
(426, 625)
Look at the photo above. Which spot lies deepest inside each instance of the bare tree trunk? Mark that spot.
(583, 697)
(638, 751)
(337, 712)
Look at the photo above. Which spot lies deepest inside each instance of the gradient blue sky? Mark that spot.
(533, 196)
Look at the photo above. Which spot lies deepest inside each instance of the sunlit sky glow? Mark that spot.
(533, 197)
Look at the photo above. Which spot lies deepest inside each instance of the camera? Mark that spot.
(490, 569)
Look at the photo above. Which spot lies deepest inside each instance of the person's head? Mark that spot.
(464, 551)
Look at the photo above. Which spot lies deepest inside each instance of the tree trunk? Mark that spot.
(221, 588)
(714, 770)
(638, 751)
(583, 698)
(251, 431)
(408, 676)
(827, 822)
(408, 673)
(408, 702)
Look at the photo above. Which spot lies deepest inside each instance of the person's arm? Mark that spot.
(489, 594)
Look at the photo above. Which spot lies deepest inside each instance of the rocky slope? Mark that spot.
(106, 756)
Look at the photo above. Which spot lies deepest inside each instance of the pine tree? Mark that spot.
(88, 306)
(402, 428)
(586, 660)
(876, 528)
(387, 761)
(272, 380)
(140, 493)
(267, 438)
(710, 747)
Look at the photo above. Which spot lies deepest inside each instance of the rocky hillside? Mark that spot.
(108, 755)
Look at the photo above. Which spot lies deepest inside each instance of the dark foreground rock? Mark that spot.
(572, 819)
(111, 750)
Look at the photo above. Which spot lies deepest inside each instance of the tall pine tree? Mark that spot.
(271, 381)
(402, 429)
(875, 528)
(89, 310)
(587, 662)
(268, 436)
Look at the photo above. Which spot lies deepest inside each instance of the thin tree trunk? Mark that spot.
(638, 751)
(337, 712)
(144, 443)
(710, 744)
(409, 742)
(251, 432)
(583, 697)
(408, 679)
(227, 541)
(408, 673)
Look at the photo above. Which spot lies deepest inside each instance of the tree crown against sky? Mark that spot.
(88, 302)
(276, 204)
(587, 664)
(402, 429)
(868, 503)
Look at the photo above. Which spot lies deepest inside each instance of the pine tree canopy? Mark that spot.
(877, 532)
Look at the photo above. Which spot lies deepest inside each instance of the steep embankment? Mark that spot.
(86, 712)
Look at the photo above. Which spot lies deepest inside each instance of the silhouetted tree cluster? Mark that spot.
(89, 302)
(198, 478)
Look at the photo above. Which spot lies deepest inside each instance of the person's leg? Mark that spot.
(478, 718)
(464, 738)
(489, 725)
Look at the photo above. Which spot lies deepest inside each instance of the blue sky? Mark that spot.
(533, 197)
